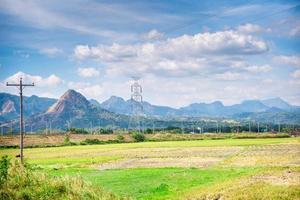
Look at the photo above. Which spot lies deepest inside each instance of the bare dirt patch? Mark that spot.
(197, 157)
(196, 162)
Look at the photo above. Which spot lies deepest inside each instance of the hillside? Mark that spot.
(73, 109)
(10, 105)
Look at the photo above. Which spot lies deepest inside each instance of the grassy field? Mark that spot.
(58, 139)
(200, 169)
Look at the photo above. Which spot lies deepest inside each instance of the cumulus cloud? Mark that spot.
(180, 56)
(88, 72)
(293, 60)
(51, 52)
(268, 80)
(258, 69)
(87, 89)
(250, 28)
(224, 42)
(229, 76)
(296, 74)
(153, 35)
(39, 81)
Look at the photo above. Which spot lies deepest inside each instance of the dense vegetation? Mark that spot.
(25, 183)
(138, 137)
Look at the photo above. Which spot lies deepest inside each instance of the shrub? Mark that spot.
(105, 131)
(148, 131)
(91, 141)
(24, 183)
(120, 138)
(67, 139)
(78, 131)
(4, 165)
(138, 137)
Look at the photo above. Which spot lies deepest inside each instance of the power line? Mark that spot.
(21, 86)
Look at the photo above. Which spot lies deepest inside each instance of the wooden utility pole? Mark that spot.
(21, 86)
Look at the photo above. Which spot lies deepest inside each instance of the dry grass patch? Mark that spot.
(274, 184)
(267, 155)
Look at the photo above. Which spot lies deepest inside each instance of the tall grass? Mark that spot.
(23, 182)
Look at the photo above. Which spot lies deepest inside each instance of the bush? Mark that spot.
(4, 165)
(78, 131)
(138, 137)
(120, 138)
(24, 183)
(67, 139)
(91, 141)
(148, 131)
(105, 131)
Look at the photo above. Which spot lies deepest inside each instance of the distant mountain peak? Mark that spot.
(277, 102)
(95, 102)
(70, 100)
(113, 100)
(116, 98)
(69, 94)
(8, 107)
(217, 103)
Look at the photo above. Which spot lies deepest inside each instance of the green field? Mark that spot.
(203, 169)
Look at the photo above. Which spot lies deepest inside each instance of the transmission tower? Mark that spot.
(136, 106)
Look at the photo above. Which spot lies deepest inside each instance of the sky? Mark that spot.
(182, 52)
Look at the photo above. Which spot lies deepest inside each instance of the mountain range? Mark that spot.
(73, 109)
(10, 105)
(214, 109)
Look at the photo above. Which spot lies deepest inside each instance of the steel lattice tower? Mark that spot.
(136, 107)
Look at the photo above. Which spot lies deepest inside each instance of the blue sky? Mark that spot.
(182, 51)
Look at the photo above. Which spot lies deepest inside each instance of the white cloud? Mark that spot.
(259, 69)
(153, 35)
(88, 72)
(290, 26)
(268, 80)
(229, 76)
(181, 56)
(51, 52)
(223, 42)
(293, 60)
(250, 28)
(89, 90)
(296, 74)
(39, 81)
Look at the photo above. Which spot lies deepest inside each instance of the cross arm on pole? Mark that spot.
(32, 84)
(12, 84)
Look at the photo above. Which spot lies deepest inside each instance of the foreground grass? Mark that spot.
(155, 183)
(21, 182)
